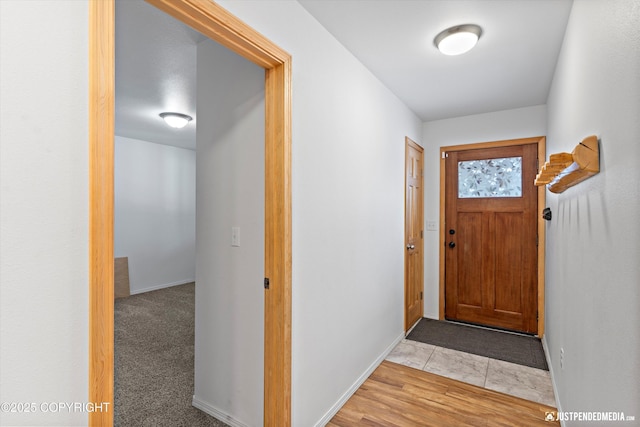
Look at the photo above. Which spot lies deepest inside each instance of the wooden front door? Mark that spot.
(491, 237)
(413, 230)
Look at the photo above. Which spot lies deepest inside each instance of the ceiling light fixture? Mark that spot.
(458, 40)
(176, 120)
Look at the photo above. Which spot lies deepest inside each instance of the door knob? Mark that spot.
(452, 245)
(411, 247)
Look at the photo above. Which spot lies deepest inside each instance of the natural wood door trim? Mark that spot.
(541, 142)
(542, 240)
(277, 316)
(218, 24)
(492, 144)
(101, 261)
(221, 26)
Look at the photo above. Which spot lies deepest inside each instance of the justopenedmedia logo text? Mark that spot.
(588, 416)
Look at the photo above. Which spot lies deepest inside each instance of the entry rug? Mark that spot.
(519, 349)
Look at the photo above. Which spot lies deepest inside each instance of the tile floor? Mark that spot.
(516, 380)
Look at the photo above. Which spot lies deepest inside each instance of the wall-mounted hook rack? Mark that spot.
(564, 170)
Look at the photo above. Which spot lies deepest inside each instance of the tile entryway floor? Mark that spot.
(516, 380)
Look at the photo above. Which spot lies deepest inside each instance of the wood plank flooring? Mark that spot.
(399, 396)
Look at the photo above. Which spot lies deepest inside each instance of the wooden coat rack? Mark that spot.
(564, 170)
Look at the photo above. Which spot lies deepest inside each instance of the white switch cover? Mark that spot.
(235, 236)
(432, 226)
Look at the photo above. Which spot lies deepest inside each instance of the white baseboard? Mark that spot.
(553, 380)
(356, 385)
(165, 285)
(216, 413)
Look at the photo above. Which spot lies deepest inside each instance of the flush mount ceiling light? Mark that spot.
(458, 40)
(176, 120)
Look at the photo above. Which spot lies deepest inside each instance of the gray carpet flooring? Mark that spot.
(520, 349)
(154, 341)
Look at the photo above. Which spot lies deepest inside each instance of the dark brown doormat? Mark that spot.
(514, 348)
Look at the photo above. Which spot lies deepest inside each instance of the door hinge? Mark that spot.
(537, 316)
(266, 283)
(421, 234)
(420, 295)
(537, 239)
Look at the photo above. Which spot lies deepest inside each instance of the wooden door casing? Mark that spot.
(414, 234)
(491, 266)
(212, 20)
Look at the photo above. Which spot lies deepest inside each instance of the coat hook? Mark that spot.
(546, 214)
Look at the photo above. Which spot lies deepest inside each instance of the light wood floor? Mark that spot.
(398, 396)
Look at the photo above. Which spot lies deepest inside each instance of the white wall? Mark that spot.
(348, 208)
(348, 168)
(155, 213)
(44, 208)
(593, 249)
(229, 343)
(497, 126)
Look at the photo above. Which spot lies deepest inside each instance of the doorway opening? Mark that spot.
(161, 64)
(216, 23)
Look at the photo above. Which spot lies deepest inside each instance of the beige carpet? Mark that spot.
(154, 338)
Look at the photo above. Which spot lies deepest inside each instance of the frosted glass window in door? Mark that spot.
(490, 178)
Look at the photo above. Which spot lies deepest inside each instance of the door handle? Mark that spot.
(452, 245)
(409, 247)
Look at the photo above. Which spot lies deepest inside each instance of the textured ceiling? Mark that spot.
(511, 66)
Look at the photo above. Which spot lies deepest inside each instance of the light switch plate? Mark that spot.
(432, 226)
(235, 236)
